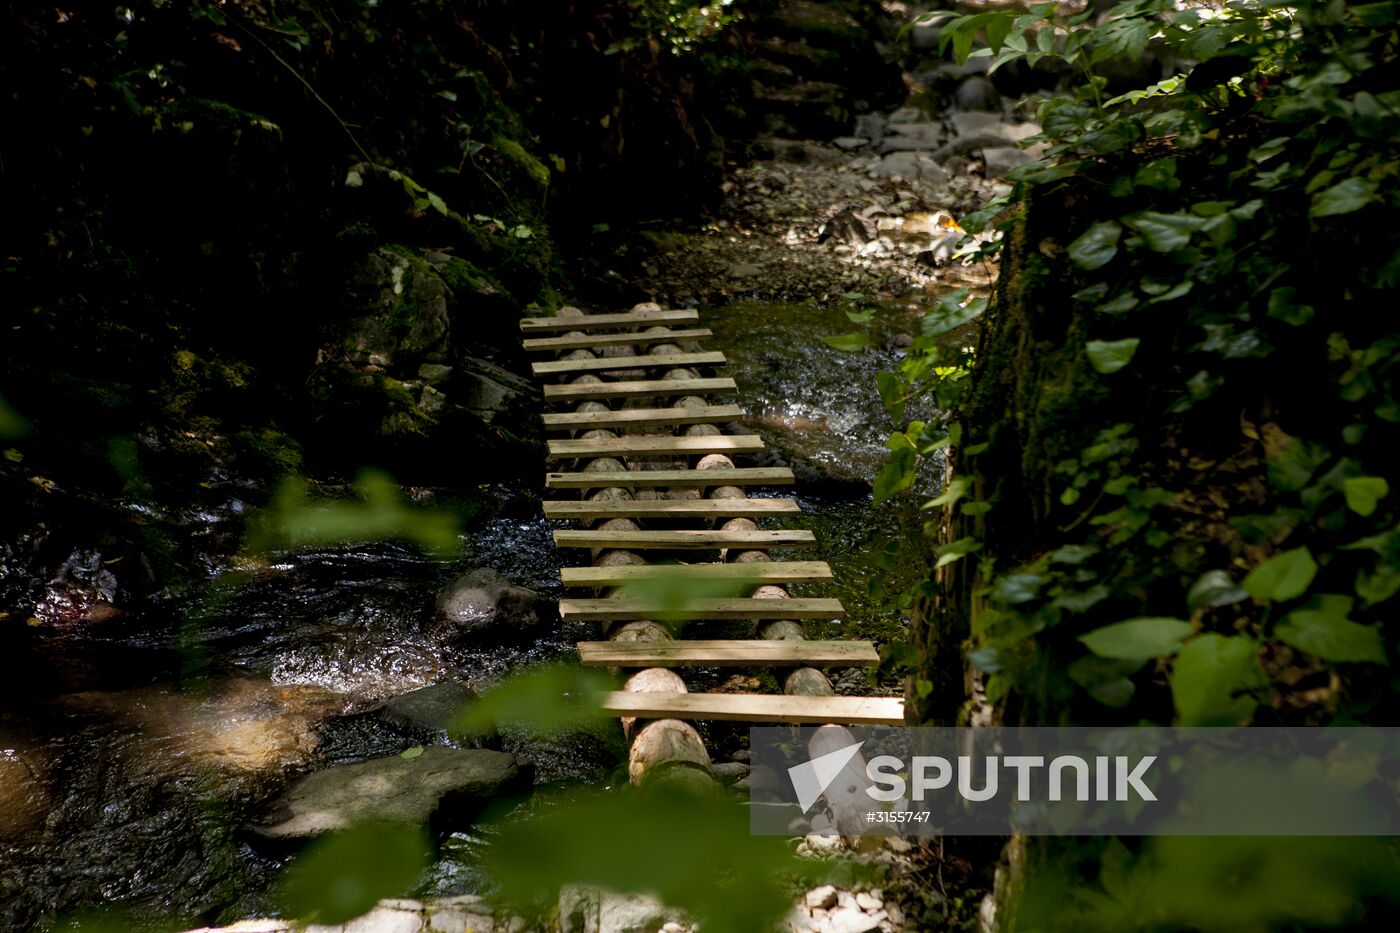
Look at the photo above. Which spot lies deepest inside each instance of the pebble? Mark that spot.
(822, 897)
(850, 920)
(868, 902)
(850, 142)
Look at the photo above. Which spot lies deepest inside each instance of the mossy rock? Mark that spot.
(398, 309)
(267, 452)
(523, 165)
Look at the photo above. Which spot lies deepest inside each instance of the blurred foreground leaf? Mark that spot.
(11, 424)
(342, 876)
(548, 699)
(294, 519)
(693, 852)
(677, 595)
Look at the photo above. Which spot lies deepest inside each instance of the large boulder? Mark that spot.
(441, 786)
(482, 599)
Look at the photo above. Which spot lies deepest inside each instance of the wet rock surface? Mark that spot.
(482, 599)
(437, 785)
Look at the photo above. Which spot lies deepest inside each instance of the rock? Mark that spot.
(799, 920)
(742, 754)
(398, 309)
(429, 709)
(729, 771)
(745, 270)
(913, 167)
(382, 919)
(977, 93)
(493, 393)
(906, 137)
(431, 400)
(434, 373)
(870, 125)
(823, 897)
(977, 124)
(1002, 159)
(850, 142)
(906, 115)
(482, 598)
(441, 784)
(800, 152)
(593, 910)
(850, 920)
(868, 902)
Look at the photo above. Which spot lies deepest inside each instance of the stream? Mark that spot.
(133, 751)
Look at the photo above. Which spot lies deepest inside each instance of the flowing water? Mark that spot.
(134, 751)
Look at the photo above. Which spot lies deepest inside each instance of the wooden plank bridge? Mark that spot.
(668, 519)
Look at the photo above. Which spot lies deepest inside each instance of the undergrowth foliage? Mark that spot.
(1196, 523)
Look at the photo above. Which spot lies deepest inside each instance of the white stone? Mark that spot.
(850, 920)
(868, 902)
(823, 897)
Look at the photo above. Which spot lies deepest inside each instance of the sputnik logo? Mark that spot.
(811, 778)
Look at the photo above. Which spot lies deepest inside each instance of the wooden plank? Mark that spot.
(640, 417)
(669, 508)
(599, 364)
(794, 571)
(747, 652)
(637, 388)
(613, 340)
(641, 479)
(618, 609)
(683, 539)
(654, 446)
(534, 325)
(757, 707)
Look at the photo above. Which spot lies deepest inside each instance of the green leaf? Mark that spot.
(1377, 587)
(896, 475)
(1345, 197)
(1363, 493)
(1214, 589)
(1210, 676)
(1322, 629)
(1096, 246)
(848, 342)
(1109, 356)
(860, 317)
(1283, 576)
(411, 753)
(1018, 588)
(342, 876)
(956, 550)
(1105, 679)
(949, 313)
(1164, 233)
(1284, 307)
(1137, 639)
(891, 391)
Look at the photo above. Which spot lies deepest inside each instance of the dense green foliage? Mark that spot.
(1182, 512)
(1170, 475)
